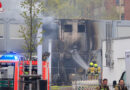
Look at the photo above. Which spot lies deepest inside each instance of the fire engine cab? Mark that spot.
(12, 67)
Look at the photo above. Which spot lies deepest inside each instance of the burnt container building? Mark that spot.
(77, 34)
(86, 37)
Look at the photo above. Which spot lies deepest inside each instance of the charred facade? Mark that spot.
(80, 35)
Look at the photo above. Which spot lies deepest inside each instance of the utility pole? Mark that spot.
(30, 57)
(30, 51)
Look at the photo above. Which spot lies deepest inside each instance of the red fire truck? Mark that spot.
(12, 67)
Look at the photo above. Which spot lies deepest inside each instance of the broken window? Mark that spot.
(67, 28)
(81, 28)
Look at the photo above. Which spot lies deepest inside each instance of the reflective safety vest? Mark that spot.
(104, 88)
(97, 70)
(91, 69)
(26, 73)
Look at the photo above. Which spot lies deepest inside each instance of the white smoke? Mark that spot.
(78, 59)
(12, 9)
(51, 31)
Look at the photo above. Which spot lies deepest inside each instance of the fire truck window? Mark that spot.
(81, 28)
(26, 68)
(35, 67)
(7, 71)
(67, 28)
(22, 58)
(34, 70)
(1, 30)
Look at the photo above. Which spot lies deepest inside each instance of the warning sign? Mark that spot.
(1, 8)
(0, 5)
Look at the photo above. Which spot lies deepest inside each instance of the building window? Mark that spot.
(14, 31)
(81, 28)
(1, 30)
(67, 28)
(117, 2)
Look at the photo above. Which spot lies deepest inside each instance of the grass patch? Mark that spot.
(58, 87)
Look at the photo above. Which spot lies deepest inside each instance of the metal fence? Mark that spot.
(89, 85)
(85, 85)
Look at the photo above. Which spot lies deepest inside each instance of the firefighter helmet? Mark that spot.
(91, 64)
(95, 65)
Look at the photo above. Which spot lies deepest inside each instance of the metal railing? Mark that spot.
(85, 85)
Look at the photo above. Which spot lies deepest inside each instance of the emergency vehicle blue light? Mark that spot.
(9, 56)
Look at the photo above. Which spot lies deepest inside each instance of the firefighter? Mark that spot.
(99, 70)
(104, 85)
(121, 85)
(96, 71)
(26, 72)
(26, 85)
(91, 71)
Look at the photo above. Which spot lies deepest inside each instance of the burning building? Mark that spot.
(78, 43)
